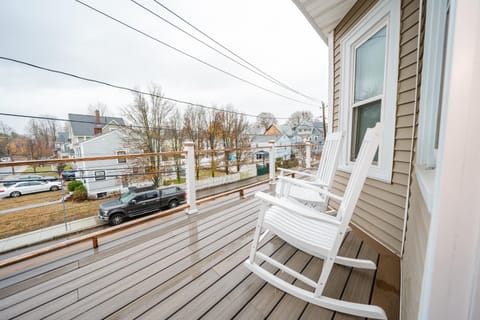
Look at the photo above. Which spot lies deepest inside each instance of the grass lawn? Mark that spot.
(37, 218)
(47, 170)
(25, 200)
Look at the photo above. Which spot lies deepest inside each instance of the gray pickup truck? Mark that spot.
(138, 202)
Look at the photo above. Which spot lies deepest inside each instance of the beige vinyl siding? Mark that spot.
(418, 221)
(381, 209)
(414, 257)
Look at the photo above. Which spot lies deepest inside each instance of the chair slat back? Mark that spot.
(328, 161)
(359, 173)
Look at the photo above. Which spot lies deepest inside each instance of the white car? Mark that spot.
(25, 187)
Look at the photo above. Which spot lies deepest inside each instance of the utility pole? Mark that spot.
(323, 121)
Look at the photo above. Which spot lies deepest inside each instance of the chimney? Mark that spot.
(98, 127)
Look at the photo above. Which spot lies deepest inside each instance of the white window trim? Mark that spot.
(384, 13)
(425, 163)
(124, 160)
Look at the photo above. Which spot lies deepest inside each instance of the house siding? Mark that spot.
(414, 257)
(380, 211)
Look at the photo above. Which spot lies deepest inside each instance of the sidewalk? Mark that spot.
(57, 231)
(49, 233)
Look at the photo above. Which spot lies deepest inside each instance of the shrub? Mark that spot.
(72, 185)
(80, 193)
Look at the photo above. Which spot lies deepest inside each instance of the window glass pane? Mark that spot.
(364, 117)
(121, 160)
(369, 66)
(99, 175)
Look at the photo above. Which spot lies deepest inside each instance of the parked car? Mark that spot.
(6, 159)
(25, 187)
(68, 175)
(36, 177)
(140, 201)
(31, 177)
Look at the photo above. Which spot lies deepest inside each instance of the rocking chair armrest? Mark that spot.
(318, 187)
(300, 173)
(300, 209)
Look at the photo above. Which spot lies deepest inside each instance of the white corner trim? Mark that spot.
(384, 13)
(331, 85)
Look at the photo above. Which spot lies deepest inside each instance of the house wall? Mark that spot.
(105, 145)
(413, 261)
(380, 212)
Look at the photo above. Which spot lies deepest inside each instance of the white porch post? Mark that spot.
(308, 154)
(190, 177)
(272, 161)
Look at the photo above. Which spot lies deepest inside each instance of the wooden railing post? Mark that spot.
(308, 154)
(272, 161)
(190, 177)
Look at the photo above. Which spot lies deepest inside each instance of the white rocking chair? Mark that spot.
(287, 187)
(317, 234)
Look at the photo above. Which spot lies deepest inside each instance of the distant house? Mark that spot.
(313, 132)
(102, 177)
(83, 127)
(282, 146)
(61, 144)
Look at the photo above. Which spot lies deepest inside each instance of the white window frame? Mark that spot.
(385, 13)
(99, 177)
(121, 153)
(426, 157)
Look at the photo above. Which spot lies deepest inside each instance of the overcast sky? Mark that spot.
(64, 35)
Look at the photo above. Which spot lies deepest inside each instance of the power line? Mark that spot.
(245, 65)
(127, 88)
(191, 56)
(93, 122)
(231, 51)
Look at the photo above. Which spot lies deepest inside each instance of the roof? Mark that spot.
(83, 124)
(286, 130)
(264, 138)
(324, 15)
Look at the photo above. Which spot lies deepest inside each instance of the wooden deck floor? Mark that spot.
(185, 268)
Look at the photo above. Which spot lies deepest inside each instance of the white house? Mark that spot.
(102, 177)
(84, 126)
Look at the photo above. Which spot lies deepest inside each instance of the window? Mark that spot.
(168, 191)
(369, 85)
(369, 69)
(140, 197)
(99, 175)
(434, 73)
(151, 195)
(121, 160)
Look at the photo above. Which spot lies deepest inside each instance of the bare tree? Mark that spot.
(213, 134)
(239, 137)
(194, 127)
(175, 136)
(265, 120)
(6, 136)
(148, 118)
(233, 134)
(298, 117)
(100, 106)
(42, 136)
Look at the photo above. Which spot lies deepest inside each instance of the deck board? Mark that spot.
(187, 268)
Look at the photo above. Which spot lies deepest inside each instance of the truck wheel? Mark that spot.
(173, 204)
(115, 219)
